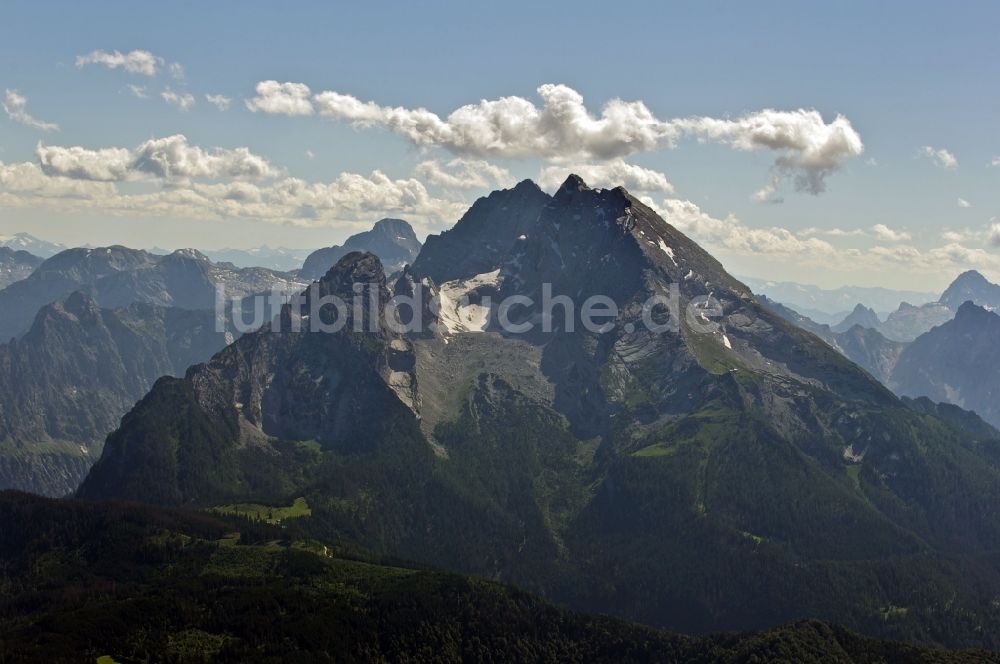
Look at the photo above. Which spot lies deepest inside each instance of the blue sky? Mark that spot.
(917, 83)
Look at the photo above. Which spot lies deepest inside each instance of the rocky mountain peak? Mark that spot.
(972, 285)
(861, 315)
(357, 267)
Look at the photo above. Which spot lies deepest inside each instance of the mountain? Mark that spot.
(279, 259)
(863, 316)
(182, 586)
(864, 346)
(392, 240)
(908, 321)
(972, 287)
(957, 362)
(66, 383)
(483, 236)
(117, 276)
(31, 244)
(698, 463)
(829, 306)
(16, 265)
(871, 351)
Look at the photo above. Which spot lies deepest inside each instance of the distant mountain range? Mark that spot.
(273, 258)
(928, 351)
(725, 476)
(31, 244)
(830, 306)
(118, 276)
(392, 240)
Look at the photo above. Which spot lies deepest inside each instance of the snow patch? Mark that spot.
(668, 251)
(458, 317)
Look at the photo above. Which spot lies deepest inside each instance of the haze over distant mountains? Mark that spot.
(31, 244)
(830, 306)
(117, 276)
(944, 350)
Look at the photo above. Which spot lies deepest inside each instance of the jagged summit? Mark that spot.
(861, 315)
(970, 311)
(357, 267)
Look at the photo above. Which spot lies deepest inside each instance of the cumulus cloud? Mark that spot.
(221, 102)
(170, 158)
(563, 130)
(883, 232)
(176, 71)
(25, 183)
(182, 100)
(730, 235)
(962, 203)
(462, 173)
(15, 105)
(940, 157)
(993, 234)
(138, 91)
(608, 174)
(134, 62)
(281, 99)
(995, 161)
(809, 148)
(350, 199)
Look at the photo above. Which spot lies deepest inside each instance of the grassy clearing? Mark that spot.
(266, 513)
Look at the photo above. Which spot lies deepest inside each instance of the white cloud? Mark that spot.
(139, 91)
(176, 71)
(462, 173)
(613, 173)
(351, 199)
(221, 102)
(26, 184)
(940, 157)
(769, 192)
(15, 106)
(732, 236)
(310, 154)
(995, 161)
(883, 232)
(832, 232)
(182, 100)
(134, 62)
(171, 158)
(563, 130)
(809, 148)
(281, 98)
(962, 203)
